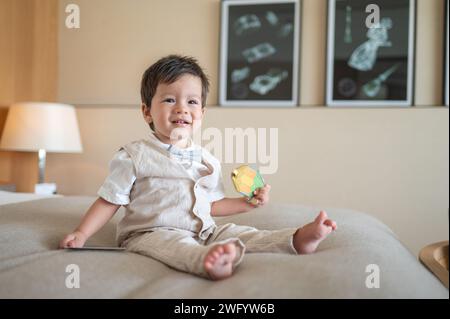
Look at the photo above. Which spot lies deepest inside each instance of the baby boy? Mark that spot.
(171, 188)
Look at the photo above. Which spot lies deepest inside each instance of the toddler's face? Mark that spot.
(177, 105)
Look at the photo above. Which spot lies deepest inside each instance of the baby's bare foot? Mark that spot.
(308, 237)
(218, 262)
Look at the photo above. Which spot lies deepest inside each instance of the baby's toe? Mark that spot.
(215, 254)
(210, 260)
(321, 218)
(325, 230)
(328, 223)
(228, 248)
(208, 265)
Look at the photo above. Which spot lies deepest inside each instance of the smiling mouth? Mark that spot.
(181, 122)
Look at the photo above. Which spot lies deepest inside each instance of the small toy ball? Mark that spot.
(246, 180)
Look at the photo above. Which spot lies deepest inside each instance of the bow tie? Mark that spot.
(183, 155)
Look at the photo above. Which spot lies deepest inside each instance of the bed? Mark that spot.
(31, 266)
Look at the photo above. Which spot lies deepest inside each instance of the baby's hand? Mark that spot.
(73, 240)
(261, 196)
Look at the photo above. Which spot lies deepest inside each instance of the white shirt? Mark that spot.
(159, 191)
(195, 168)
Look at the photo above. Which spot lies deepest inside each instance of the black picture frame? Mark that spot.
(259, 53)
(370, 63)
(446, 65)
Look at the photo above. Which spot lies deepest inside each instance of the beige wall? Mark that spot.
(391, 163)
(103, 61)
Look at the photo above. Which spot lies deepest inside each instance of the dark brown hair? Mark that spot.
(167, 70)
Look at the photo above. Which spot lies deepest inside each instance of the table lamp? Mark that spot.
(41, 127)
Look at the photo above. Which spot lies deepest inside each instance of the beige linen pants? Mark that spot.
(185, 251)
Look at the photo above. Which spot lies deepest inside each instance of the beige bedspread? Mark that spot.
(31, 266)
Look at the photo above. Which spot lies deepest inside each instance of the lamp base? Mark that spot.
(45, 188)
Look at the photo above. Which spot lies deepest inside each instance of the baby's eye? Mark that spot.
(169, 100)
(194, 102)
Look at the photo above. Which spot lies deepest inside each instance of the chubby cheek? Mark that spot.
(159, 117)
(197, 120)
(197, 115)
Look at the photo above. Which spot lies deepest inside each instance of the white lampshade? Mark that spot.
(36, 126)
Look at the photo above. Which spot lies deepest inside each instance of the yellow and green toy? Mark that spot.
(246, 180)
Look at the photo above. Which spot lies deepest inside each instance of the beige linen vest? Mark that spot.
(165, 195)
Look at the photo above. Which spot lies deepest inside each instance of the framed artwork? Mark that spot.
(259, 53)
(446, 60)
(370, 58)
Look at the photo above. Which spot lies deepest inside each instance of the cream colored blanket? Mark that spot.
(31, 266)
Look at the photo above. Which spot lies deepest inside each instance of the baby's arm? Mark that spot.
(231, 206)
(95, 218)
